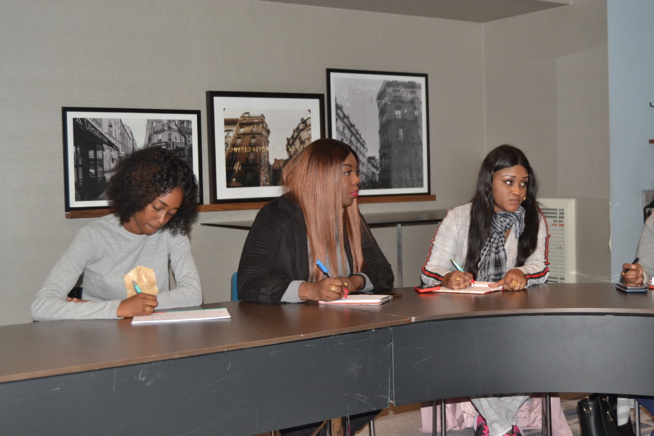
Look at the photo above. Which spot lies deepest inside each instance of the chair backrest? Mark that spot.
(234, 287)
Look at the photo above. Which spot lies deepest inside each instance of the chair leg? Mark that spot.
(434, 417)
(371, 427)
(547, 415)
(637, 417)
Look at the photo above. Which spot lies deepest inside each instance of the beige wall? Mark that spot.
(547, 92)
(166, 54)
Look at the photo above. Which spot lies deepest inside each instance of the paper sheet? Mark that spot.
(360, 299)
(182, 316)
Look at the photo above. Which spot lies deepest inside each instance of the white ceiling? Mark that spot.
(478, 11)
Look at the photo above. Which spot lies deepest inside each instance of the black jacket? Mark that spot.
(276, 253)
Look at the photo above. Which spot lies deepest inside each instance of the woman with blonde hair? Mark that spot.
(318, 219)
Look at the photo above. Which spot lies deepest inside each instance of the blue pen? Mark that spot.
(457, 266)
(323, 269)
(326, 273)
(136, 287)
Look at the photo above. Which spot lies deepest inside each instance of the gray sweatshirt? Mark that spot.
(110, 257)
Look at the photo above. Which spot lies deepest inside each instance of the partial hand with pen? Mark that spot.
(632, 274)
(137, 305)
(328, 289)
(457, 280)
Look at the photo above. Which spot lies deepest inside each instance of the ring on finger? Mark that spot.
(333, 288)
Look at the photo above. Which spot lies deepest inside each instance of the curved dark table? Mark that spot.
(551, 338)
(273, 366)
(268, 367)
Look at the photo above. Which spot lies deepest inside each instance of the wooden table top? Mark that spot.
(61, 347)
(44, 349)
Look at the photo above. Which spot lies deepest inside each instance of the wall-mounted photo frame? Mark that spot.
(96, 138)
(252, 135)
(384, 117)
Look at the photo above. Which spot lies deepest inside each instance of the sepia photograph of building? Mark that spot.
(258, 145)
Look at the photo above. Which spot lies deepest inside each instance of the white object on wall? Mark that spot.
(560, 214)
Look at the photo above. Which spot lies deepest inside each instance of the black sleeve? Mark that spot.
(375, 265)
(272, 255)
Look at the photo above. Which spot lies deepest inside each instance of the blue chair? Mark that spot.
(235, 287)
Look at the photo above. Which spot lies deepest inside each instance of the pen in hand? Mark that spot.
(136, 287)
(458, 267)
(624, 271)
(326, 273)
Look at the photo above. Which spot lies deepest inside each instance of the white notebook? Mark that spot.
(360, 299)
(182, 316)
(478, 288)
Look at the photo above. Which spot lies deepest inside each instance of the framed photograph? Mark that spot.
(96, 138)
(252, 135)
(384, 118)
(648, 203)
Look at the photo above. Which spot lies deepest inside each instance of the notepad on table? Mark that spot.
(360, 299)
(182, 316)
(477, 288)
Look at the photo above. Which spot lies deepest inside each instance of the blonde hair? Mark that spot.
(313, 177)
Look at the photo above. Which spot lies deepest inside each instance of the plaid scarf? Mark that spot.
(492, 262)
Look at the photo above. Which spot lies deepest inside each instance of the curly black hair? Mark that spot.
(146, 174)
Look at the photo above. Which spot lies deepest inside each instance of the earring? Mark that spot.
(524, 199)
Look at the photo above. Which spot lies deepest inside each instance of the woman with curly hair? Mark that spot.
(125, 257)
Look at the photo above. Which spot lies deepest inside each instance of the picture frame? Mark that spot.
(252, 135)
(95, 139)
(394, 153)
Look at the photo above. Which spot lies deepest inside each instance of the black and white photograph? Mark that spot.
(384, 118)
(648, 203)
(252, 137)
(95, 139)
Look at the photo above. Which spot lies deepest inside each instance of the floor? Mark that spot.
(405, 420)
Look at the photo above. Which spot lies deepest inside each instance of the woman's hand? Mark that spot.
(352, 283)
(632, 274)
(324, 290)
(514, 280)
(137, 305)
(457, 280)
